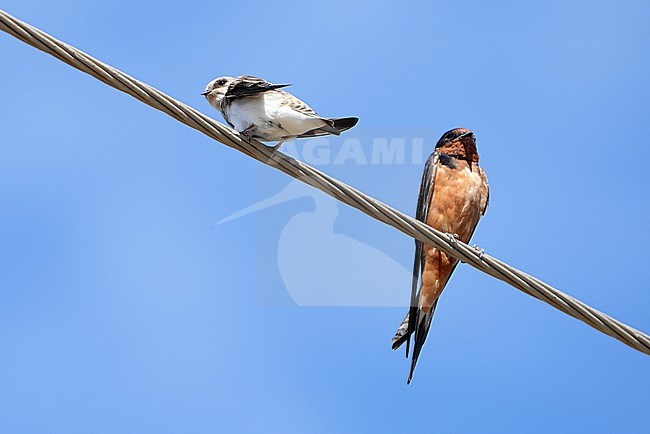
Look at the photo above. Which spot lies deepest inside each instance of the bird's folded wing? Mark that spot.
(421, 213)
(248, 85)
(298, 105)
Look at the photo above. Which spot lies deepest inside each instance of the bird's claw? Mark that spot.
(247, 136)
(480, 251)
(247, 133)
(453, 239)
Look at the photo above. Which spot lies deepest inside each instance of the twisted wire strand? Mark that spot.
(331, 186)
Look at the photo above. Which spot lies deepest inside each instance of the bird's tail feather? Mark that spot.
(402, 335)
(329, 128)
(334, 126)
(421, 333)
(344, 124)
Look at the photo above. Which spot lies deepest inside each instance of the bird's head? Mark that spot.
(459, 143)
(216, 90)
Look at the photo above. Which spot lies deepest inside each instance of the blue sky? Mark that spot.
(125, 307)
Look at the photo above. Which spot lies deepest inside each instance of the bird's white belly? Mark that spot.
(245, 112)
(270, 118)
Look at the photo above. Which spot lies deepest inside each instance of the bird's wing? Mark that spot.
(340, 124)
(421, 212)
(485, 191)
(298, 105)
(248, 85)
(419, 321)
(408, 326)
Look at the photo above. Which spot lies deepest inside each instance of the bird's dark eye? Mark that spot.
(221, 82)
(449, 136)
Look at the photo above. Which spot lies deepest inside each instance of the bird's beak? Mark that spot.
(205, 93)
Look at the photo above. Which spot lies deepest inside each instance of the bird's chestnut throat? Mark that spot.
(463, 150)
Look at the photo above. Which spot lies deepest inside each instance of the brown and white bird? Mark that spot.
(453, 196)
(263, 111)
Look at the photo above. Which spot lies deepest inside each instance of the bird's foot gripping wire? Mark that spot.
(453, 239)
(247, 133)
(480, 251)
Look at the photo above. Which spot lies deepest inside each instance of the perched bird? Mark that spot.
(262, 110)
(453, 196)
